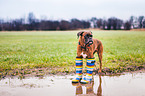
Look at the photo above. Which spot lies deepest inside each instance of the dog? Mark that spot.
(88, 46)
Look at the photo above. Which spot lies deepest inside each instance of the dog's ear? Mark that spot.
(80, 33)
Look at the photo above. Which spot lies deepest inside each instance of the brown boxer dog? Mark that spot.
(88, 46)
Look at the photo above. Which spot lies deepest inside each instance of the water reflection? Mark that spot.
(124, 85)
(99, 91)
(89, 88)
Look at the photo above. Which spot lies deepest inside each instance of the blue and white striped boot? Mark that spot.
(79, 67)
(90, 67)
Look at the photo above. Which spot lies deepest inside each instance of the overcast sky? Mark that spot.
(67, 9)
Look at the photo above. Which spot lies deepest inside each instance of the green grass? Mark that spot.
(21, 50)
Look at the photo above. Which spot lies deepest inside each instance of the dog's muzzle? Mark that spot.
(89, 41)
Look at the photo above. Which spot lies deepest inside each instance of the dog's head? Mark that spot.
(86, 37)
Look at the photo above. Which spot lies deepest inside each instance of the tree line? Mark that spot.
(73, 24)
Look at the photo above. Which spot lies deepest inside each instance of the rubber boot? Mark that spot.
(79, 67)
(90, 67)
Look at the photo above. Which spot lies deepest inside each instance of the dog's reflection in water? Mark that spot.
(89, 88)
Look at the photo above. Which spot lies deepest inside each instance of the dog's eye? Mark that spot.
(88, 35)
(91, 35)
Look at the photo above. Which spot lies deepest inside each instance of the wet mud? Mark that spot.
(41, 72)
(129, 84)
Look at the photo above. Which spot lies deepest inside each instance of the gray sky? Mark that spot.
(67, 9)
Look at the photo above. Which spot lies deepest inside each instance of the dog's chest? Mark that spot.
(84, 55)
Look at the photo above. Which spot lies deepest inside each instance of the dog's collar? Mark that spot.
(85, 47)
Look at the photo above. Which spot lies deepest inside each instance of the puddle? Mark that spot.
(124, 85)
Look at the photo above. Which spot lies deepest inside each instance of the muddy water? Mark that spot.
(124, 85)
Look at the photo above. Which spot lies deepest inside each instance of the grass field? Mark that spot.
(123, 50)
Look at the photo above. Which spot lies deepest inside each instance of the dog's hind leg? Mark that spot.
(100, 55)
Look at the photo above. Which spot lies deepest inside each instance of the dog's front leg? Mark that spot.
(90, 52)
(79, 51)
